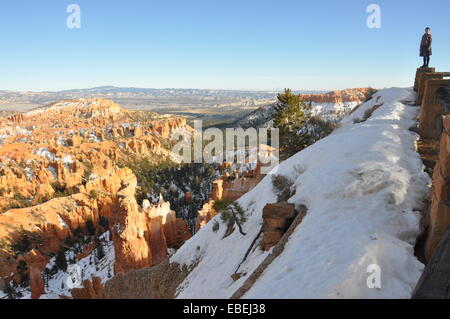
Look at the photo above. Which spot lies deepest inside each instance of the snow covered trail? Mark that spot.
(363, 187)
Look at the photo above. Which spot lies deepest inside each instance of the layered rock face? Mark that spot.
(59, 170)
(277, 219)
(341, 96)
(434, 129)
(440, 198)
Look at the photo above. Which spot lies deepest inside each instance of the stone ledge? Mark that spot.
(420, 71)
(435, 280)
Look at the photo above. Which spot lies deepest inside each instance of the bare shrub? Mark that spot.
(283, 185)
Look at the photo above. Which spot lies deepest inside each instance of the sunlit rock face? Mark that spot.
(62, 170)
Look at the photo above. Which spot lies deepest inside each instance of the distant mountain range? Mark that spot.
(130, 93)
(142, 98)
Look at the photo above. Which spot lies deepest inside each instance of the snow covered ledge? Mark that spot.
(363, 187)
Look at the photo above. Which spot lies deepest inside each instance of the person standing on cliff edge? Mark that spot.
(425, 47)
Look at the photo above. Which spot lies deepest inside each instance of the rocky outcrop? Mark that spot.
(235, 187)
(158, 282)
(170, 231)
(91, 290)
(277, 218)
(130, 233)
(142, 236)
(206, 214)
(17, 118)
(230, 188)
(164, 128)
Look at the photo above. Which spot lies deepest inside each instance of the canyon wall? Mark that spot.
(340, 96)
(61, 171)
(433, 92)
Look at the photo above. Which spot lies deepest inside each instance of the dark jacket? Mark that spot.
(425, 45)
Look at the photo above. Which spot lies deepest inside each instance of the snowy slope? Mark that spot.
(262, 117)
(363, 186)
(89, 266)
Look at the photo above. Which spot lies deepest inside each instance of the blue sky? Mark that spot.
(228, 44)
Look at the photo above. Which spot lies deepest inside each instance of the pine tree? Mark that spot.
(291, 115)
(231, 213)
(10, 291)
(100, 252)
(61, 261)
(23, 272)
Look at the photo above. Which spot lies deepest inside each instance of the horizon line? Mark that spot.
(181, 88)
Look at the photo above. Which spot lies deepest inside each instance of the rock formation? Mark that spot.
(175, 231)
(230, 188)
(37, 284)
(130, 232)
(142, 236)
(91, 290)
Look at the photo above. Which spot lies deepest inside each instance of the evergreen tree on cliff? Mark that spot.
(291, 116)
